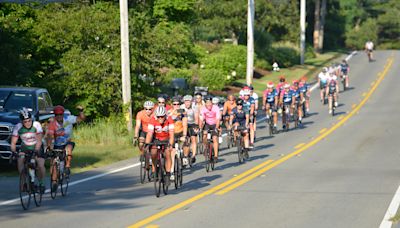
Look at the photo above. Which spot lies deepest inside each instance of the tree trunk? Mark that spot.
(317, 24)
(322, 24)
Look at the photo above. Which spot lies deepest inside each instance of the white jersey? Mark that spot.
(369, 45)
(332, 77)
(323, 77)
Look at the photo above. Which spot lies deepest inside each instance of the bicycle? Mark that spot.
(343, 79)
(200, 147)
(58, 166)
(145, 167)
(270, 122)
(296, 115)
(160, 172)
(286, 114)
(209, 152)
(240, 144)
(178, 167)
(28, 180)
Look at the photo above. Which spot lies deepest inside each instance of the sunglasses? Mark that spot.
(148, 109)
(59, 114)
(175, 104)
(161, 102)
(158, 117)
(239, 105)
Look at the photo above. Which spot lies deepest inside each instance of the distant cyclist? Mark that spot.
(241, 118)
(210, 118)
(298, 102)
(332, 91)
(270, 103)
(281, 83)
(31, 133)
(229, 105)
(305, 89)
(193, 125)
(59, 134)
(369, 48)
(249, 106)
(345, 69)
(142, 121)
(161, 128)
(322, 81)
(286, 101)
(254, 95)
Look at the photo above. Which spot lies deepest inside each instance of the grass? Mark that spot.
(396, 218)
(309, 69)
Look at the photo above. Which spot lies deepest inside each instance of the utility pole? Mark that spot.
(302, 30)
(250, 42)
(125, 64)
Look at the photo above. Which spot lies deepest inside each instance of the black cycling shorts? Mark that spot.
(212, 128)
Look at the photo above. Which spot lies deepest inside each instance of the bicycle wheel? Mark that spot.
(24, 189)
(157, 180)
(176, 171)
(164, 185)
(37, 193)
(142, 169)
(239, 150)
(271, 127)
(212, 161)
(207, 159)
(344, 84)
(53, 168)
(64, 182)
(180, 175)
(296, 118)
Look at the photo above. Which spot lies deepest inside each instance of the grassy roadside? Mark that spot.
(396, 218)
(309, 69)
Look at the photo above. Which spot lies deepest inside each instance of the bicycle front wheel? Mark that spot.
(142, 169)
(53, 169)
(37, 193)
(239, 151)
(212, 153)
(24, 190)
(64, 182)
(176, 171)
(157, 181)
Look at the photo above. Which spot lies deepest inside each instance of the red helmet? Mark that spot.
(59, 110)
(282, 78)
(295, 82)
(270, 85)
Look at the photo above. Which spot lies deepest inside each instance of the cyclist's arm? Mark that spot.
(185, 126)
(231, 119)
(149, 135)
(252, 106)
(247, 119)
(14, 140)
(137, 127)
(293, 100)
(225, 109)
(264, 100)
(39, 137)
(276, 101)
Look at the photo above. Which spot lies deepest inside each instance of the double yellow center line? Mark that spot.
(258, 170)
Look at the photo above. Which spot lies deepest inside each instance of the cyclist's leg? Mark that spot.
(69, 148)
(321, 91)
(347, 80)
(246, 138)
(330, 102)
(20, 164)
(154, 157)
(168, 161)
(251, 133)
(40, 167)
(142, 137)
(215, 135)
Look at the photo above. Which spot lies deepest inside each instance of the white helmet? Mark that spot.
(215, 100)
(187, 98)
(246, 92)
(325, 69)
(160, 111)
(148, 104)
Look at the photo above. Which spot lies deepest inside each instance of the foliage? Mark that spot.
(174, 10)
(215, 79)
(179, 73)
(367, 31)
(286, 54)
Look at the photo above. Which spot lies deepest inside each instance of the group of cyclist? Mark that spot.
(57, 136)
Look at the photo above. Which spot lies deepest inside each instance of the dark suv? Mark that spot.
(13, 99)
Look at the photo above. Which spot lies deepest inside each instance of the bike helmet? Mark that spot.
(176, 99)
(208, 98)
(161, 99)
(270, 85)
(282, 78)
(295, 82)
(325, 69)
(187, 98)
(24, 114)
(59, 110)
(160, 111)
(286, 86)
(239, 102)
(148, 104)
(304, 78)
(215, 100)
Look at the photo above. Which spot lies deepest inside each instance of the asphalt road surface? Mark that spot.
(339, 171)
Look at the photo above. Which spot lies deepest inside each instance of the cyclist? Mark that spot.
(59, 135)
(322, 80)
(162, 101)
(249, 106)
(281, 83)
(345, 69)
(305, 90)
(210, 117)
(229, 105)
(142, 121)
(332, 92)
(161, 128)
(270, 102)
(240, 118)
(30, 132)
(215, 101)
(180, 130)
(286, 101)
(298, 101)
(193, 125)
(254, 95)
(369, 47)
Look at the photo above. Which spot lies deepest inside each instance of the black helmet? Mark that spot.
(239, 102)
(24, 114)
(176, 99)
(208, 98)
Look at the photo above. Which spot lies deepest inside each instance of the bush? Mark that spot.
(179, 73)
(263, 64)
(214, 79)
(285, 54)
(310, 53)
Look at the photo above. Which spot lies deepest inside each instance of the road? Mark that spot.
(338, 171)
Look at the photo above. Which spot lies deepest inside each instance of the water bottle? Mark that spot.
(219, 139)
(208, 136)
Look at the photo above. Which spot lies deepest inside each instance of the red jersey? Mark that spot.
(144, 119)
(161, 131)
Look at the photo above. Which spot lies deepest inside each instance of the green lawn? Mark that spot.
(310, 70)
(396, 218)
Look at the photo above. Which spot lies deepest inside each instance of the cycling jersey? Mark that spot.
(344, 68)
(304, 87)
(28, 136)
(144, 120)
(332, 86)
(296, 93)
(177, 115)
(323, 77)
(255, 96)
(369, 46)
(210, 116)
(190, 114)
(229, 106)
(287, 96)
(270, 95)
(239, 117)
(62, 132)
(161, 131)
(247, 104)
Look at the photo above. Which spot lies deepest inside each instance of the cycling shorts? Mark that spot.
(212, 128)
(191, 128)
(322, 85)
(142, 134)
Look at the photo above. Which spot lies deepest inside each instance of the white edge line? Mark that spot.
(137, 164)
(391, 211)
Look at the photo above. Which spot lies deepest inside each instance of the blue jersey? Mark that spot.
(296, 93)
(239, 117)
(287, 97)
(344, 68)
(271, 96)
(304, 88)
(247, 104)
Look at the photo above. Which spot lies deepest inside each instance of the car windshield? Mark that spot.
(11, 100)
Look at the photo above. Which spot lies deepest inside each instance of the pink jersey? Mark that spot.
(210, 116)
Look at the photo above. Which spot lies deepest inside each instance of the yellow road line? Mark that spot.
(270, 166)
(340, 117)
(299, 145)
(323, 130)
(372, 83)
(199, 196)
(364, 94)
(353, 106)
(152, 226)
